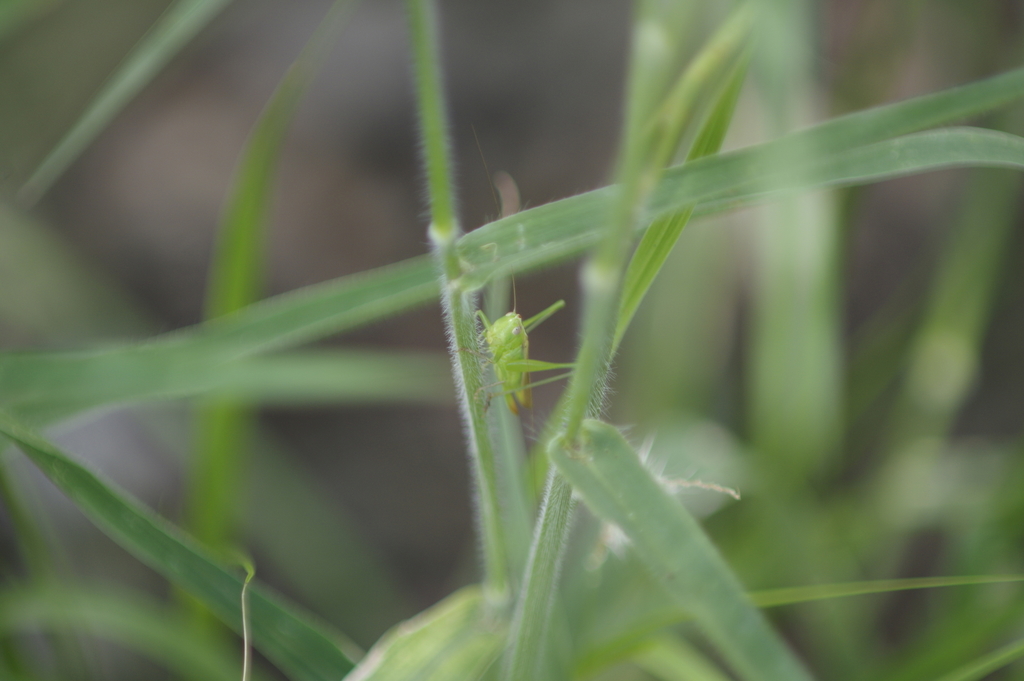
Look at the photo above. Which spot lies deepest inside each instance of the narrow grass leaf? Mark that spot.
(43, 387)
(983, 666)
(131, 621)
(670, 658)
(660, 238)
(544, 235)
(615, 644)
(51, 295)
(455, 639)
(610, 477)
(305, 650)
(223, 427)
(801, 594)
(236, 277)
(555, 231)
(147, 369)
(178, 25)
(16, 14)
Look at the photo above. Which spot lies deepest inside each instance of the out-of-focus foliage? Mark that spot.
(813, 320)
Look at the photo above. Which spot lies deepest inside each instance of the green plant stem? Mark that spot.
(459, 304)
(525, 656)
(639, 169)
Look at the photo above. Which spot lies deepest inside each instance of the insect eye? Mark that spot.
(517, 330)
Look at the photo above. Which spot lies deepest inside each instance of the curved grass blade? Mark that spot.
(305, 650)
(549, 233)
(610, 477)
(148, 369)
(983, 666)
(223, 427)
(132, 621)
(771, 598)
(43, 387)
(605, 650)
(672, 659)
(455, 639)
(660, 238)
(174, 30)
(555, 231)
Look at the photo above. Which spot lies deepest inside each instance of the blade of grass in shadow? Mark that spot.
(222, 429)
(129, 620)
(599, 652)
(301, 647)
(178, 25)
(670, 658)
(457, 638)
(942, 368)
(793, 383)
(42, 387)
(770, 598)
(944, 357)
(983, 666)
(16, 14)
(610, 477)
(327, 563)
(458, 303)
(51, 294)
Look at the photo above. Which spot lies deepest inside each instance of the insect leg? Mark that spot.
(536, 319)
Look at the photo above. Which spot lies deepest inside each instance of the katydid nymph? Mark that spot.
(507, 341)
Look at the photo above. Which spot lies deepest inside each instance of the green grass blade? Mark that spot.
(222, 428)
(944, 358)
(45, 386)
(236, 273)
(285, 320)
(550, 233)
(660, 238)
(15, 14)
(302, 648)
(174, 30)
(771, 598)
(528, 648)
(129, 620)
(555, 231)
(311, 313)
(608, 474)
(327, 563)
(983, 666)
(455, 639)
(671, 659)
(50, 295)
(620, 643)
(654, 120)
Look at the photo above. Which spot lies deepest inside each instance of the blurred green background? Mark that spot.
(362, 511)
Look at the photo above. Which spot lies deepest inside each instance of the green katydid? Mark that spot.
(507, 340)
